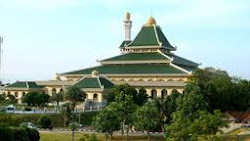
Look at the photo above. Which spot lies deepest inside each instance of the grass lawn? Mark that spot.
(66, 136)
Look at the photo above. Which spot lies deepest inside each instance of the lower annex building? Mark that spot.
(147, 61)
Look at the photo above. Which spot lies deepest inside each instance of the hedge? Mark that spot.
(18, 134)
(57, 119)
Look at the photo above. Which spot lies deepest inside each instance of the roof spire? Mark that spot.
(151, 21)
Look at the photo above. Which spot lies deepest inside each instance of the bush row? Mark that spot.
(57, 119)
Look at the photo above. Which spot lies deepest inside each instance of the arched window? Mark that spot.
(164, 93)
(16, 94)
(53, 91)
(174, 91)
(153, 93)
(23, 94)
(61, 90)
(95, 97)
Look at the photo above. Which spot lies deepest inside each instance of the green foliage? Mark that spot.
(190, 104)
(11, 99)
(108, 120)
(57, 119)
(33, 134)
(220, 90)
(208, 124)
(7, 99)
(147, 117)
(73, 125)
(138, 98)
(18, 134)
(57, 98)
(87, 137)
(166, 106)
(74, 95)
(45, 122)
(36, 99)
(187, 107)
(66, 112)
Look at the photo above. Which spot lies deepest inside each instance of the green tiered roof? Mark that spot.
(131, 69)
(151, 36)
(24, 84)
(182, 61)
(138, 57)
(96, 82)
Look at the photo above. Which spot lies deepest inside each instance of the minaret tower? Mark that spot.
(127, 25)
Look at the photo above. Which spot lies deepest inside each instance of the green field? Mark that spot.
(67, 136)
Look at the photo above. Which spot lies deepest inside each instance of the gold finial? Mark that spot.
(151, 21)
(95, 73)
(127, 16)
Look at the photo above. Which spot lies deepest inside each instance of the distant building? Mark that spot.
(146, 61)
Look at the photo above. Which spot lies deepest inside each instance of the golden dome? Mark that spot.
(127, 16)
(95, 73)
(151, 21)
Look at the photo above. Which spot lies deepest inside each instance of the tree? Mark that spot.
(45, 122)
(36, 98)
(186, 112)
(208, 124)
(30, 98)
(66, 111)
(126, 107)
(142, 97)
(220, 90)
(138, 98)
(42, 99)
(57, 98)
(74, 95)
(11, 99)
(165, 107)
(108, 120)
(147, 117)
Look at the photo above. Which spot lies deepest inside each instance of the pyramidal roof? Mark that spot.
(94, 82)
(151, 36)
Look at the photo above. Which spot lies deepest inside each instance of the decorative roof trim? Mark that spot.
(99, 82)
(78, 81)
(136, 47)
(136, 62)
(180, 68)
(171, 58)
(156, 34)
(92, 89)
(68, 75)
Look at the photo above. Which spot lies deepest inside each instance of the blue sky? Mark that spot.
(43, 37)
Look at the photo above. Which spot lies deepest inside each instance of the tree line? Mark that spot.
(198, 113)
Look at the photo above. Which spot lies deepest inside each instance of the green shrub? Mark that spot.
(57, 119)
(33, 134)
(45, 122)
(87, 137)
(18, 134)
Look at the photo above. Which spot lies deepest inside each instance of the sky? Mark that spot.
(45, 37)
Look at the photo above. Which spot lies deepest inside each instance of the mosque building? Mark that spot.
(146, 61)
